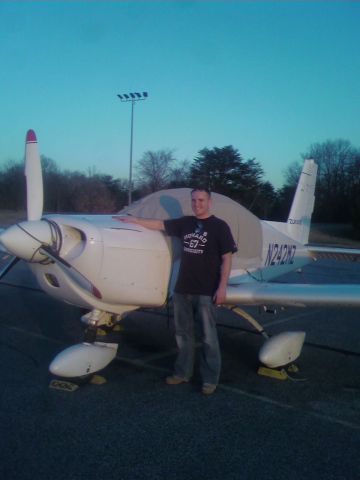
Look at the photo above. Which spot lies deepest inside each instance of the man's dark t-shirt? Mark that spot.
(203, 244)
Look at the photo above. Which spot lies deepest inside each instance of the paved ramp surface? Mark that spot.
(137, 427)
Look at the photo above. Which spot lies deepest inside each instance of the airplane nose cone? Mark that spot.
(24, 239)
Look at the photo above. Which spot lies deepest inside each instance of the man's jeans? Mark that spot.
(189, 309)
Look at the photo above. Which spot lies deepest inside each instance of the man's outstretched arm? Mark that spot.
(149, 223)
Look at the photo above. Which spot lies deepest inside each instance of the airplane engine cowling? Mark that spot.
(136, 266)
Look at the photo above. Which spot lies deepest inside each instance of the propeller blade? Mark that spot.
(55, 256)
(11, 262)
(70, 270)
(34, 182)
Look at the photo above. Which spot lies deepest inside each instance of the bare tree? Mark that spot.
(12, 186)
(93, 196)
(292, 174)
(154, 169)
(336, 160)
(180, 175)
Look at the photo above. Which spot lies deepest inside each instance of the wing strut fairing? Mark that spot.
(279, 350)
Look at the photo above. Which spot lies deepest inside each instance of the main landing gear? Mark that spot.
(278, 352)
(78, 364)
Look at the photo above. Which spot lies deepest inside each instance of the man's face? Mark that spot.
(200, 204)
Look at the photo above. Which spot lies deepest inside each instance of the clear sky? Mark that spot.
(269, 78)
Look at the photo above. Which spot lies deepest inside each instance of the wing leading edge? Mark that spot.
(295, 295)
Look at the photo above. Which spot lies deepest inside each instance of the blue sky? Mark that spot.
(269, 78)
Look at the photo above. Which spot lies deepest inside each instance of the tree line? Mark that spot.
(338, 182)
(222, 170)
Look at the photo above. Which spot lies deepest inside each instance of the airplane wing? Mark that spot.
(294, 295)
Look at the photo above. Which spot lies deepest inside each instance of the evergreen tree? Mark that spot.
(224, 171)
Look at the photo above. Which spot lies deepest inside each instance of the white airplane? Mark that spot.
(111, 268)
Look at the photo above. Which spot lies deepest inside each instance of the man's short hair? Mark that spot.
(201, 189)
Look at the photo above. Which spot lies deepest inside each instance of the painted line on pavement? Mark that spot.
(143, 364)
(253, 396)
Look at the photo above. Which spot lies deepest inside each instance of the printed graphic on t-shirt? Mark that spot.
(195, 242)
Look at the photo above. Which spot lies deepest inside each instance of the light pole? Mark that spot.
(132, 97)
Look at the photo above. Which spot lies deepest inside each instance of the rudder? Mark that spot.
(299, 220)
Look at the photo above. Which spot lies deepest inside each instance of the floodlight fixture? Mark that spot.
(129, 97)
(132, 97)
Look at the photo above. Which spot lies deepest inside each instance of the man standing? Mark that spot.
(207, 247)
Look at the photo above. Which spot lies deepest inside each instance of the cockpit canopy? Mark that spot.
(174, 203)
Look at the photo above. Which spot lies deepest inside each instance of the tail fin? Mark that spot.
(298, 223)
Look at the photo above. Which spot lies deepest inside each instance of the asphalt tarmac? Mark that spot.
(135, 426)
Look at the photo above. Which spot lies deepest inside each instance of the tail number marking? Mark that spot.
(280, 254)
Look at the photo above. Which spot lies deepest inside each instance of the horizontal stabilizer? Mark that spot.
(335, 253)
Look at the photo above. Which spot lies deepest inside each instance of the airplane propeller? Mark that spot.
(37, 240)
(35, 230)
(12, 238)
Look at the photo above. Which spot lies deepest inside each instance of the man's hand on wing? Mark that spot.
(152, 224)
(125, 219)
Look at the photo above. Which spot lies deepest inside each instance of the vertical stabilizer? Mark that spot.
(298, 223)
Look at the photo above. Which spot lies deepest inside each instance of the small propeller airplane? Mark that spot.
(111, 268)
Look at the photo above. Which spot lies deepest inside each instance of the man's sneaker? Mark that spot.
(208, 388)
(175, 380)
